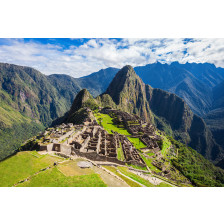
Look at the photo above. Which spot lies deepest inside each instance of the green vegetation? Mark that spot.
(136, 167)
(107, 123)
(54, 178)
(135, 177)
(128, 181)
(15, 127)
(150, 153)
(23, 165)
(11, 138)
(196, 168)
(79, 116)
(32, 164)
(90, 103)
(120, 154)
(164, 144)
(148, 162)
(138, 144)
(163, 184)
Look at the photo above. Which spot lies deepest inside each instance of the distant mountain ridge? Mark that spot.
(191, 81)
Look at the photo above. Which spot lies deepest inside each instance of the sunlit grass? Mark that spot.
(23, 165)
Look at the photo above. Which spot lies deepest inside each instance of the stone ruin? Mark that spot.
(137, 127)
(130, 153)
(90, 141)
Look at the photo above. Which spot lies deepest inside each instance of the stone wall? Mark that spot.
(85, 143)
(96, 157)
(66, 149)
(47, 148)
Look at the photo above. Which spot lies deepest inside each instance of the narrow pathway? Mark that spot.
(108, 179)
(130, 179)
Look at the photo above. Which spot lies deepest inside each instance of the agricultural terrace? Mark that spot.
(107, 123)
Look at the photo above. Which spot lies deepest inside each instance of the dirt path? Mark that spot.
(131, 179)
(108, 179)
(152, 180)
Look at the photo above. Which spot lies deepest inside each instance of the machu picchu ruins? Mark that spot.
(92, 141)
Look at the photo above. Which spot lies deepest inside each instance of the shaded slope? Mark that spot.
(215, 118)
(66, 86)
(28, 102)
(192, 82)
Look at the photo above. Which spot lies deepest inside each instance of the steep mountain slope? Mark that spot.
(29, 101)
(15, 127)
(66, 86)
(205, 72)
(215, 118)
(218, 96)
(169, 112)
(192, 82)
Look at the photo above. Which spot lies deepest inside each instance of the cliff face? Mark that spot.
(128, 92)
(168, 111)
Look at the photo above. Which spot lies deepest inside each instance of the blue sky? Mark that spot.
(79, 57)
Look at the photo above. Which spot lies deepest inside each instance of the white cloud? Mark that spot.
(96, 54)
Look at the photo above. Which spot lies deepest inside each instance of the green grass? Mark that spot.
(166, 143)
(138, 144)
(128, 181)
(148, 162)
(23, 165)
(54, 178)
(136, 167)
(150, 153)
(106, 121)
(26, 164)
(120, 154)
(163, 184)
(135, 177)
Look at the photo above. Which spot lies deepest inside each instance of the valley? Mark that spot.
(129, 135)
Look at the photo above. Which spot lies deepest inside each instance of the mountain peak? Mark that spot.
(127, 70)
(125, 79)
(80, 99)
